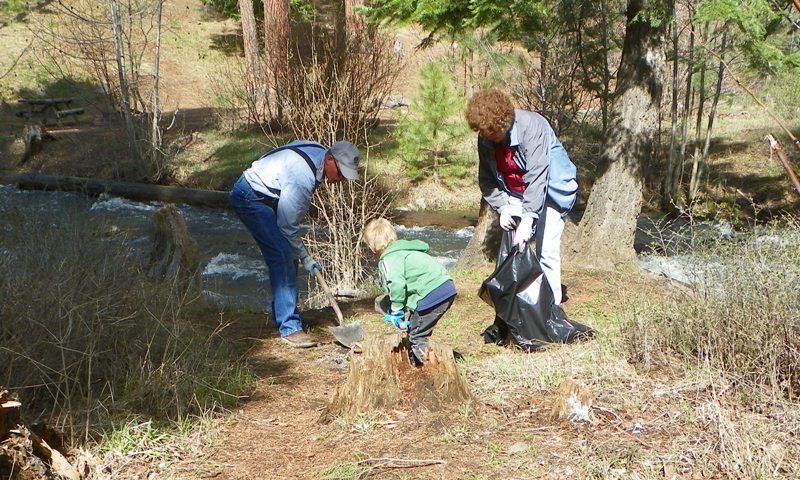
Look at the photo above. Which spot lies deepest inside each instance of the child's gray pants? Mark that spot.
(422, 323)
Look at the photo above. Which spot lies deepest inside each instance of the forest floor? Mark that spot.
(506, 432)
(649, 420)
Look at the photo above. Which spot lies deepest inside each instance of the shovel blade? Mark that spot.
(348, 335)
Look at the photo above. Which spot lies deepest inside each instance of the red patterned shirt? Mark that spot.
(511, 173)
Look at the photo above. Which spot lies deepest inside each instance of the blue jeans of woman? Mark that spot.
(261, 221)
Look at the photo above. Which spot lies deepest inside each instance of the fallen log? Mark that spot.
(130, 190)
(382, 377)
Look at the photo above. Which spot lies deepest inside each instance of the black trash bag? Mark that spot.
(527, 315)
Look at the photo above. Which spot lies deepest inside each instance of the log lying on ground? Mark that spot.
(133, 191)
(383, 378)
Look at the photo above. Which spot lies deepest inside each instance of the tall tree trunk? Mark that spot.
(687, 106)
(353, 20)
(254, 80)
(124, 94)
(605, 235)
(155, 153)
(700, 165)
(671, 191)
(276, 45)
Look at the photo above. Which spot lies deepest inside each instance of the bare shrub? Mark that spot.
(550, 83)
(84, 333)
(118, 45)
(740, 315)
(335, 89)
(230, 95)
(236, 97)
(335, 236)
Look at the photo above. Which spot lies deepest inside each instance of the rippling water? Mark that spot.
(234, 272)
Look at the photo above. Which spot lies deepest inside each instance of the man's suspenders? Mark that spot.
(297, 149)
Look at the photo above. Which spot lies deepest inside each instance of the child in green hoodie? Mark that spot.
(413, 281)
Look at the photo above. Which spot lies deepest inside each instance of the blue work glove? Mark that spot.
(397, 318)
(311, 265)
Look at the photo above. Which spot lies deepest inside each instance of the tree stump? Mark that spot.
(174, 256)
(33, 142)
(485, 242)
(9, 414)
(382, 377)
(24, 455)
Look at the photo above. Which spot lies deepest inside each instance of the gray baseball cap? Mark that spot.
(347, 156)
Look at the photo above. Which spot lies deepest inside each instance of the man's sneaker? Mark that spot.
(299, 339)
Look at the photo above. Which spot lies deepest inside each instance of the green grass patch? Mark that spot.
(222, 158)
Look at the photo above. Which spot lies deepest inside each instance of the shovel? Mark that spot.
(331, 298)
(347, 335)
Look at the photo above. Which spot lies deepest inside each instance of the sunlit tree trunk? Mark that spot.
(156, 153)
(352, 19)
(687, 108)
(254, 80)
(699, 167)
(671, 190)
(276, 43)
(124, 87)
(604, 238)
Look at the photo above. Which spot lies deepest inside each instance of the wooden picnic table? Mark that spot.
(48, 108)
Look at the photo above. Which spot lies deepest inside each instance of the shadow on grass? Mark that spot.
(227, 161)
(230, 44)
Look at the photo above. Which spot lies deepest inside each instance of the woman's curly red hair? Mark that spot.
(490, 112)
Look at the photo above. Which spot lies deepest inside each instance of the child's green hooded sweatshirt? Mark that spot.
(408, 273)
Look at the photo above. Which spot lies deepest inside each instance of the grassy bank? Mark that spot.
(92, 343)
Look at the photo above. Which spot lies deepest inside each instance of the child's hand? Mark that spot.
(397, 318)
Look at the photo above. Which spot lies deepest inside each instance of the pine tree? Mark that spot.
(429, 135)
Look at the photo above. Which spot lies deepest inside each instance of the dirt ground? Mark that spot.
(277, 433)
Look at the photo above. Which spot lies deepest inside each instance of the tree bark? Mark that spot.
(701, 164)
(484, 244)
(382, 377)
(604, 238)
(122, 73)
(353, 20)
(156, 153)
(174, 256)
(254, 80)
(276, 43)
(671, 183)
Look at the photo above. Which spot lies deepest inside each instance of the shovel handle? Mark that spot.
(331, 298)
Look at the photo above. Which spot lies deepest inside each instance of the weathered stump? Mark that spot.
(174, 256)
(33, 142)
(382, 377)
(9, 414)
(24, 455)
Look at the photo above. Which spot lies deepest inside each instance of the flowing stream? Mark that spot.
(233, 270)
(234, 273)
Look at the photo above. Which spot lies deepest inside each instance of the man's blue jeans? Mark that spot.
(261, 221)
